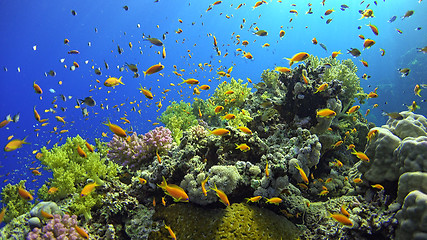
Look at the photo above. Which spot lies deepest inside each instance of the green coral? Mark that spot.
(15, 204)
(70, 170)
(240, 93)
(344, 71)
(241, 119)
(82, 205)
(178, 117)
(207, 110)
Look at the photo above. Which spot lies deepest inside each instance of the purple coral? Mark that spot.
(159, 139)
(57, 228)
(131, 153)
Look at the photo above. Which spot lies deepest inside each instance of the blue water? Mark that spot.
(46, 24)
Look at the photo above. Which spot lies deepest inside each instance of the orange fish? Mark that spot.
(14, 144)
(274, 200)
(314, 41)
(220, 132)
(37, 88)
(25, 194)
(146, 92)
(373, 28)
(88, 189)
(81, 152)
(253, 199)
(222, 196)
(341, 219)
(153, 69)
(89, 147)
(298, 57)
(177, 193)
(116, 129)
(302, 173)
(81, 232)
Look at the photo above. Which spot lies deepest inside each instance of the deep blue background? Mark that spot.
(47, 23)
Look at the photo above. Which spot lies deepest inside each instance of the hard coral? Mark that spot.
(178, 118)
(57, 228)
(139, 148)
(15, 205)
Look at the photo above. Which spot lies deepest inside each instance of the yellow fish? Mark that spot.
(243, 147)
(14, 144)
(112, 82)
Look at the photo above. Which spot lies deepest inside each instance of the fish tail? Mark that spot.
(120, 80)
(24, 142)
(8, 118)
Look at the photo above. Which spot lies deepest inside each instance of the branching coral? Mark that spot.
(133, 151)
(70, 170)
(344, 71)
(15, 205)
(231, 95)
(178, 117)
(57, 228)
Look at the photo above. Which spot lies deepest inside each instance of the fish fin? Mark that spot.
(8, 118)
(120, 80)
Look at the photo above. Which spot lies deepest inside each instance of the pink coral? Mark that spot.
(57, 228)
(139, 148)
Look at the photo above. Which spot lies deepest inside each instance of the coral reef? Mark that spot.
(132, 152)
(14, 203)
(398, 146)
(412, 217)
(37, 216)
(409, 182)
(57, 228)
(177, 117)
(70, 170)
(231, 94)
(237, 221)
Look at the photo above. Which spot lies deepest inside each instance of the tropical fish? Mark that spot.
(354, 51)
(154, 41)
(243, 147)
(177, 193)
(88, 188)
(154, 69)
(373, 28)
(245, 130)
(404, 71)
(261, 33)
(408, 14)
(298, 57)
(302, 173)
(171, 233)
(326, 113)
(81, 232)
(112, 82)
(274, 200)
(116, 129)
(25, 194)
(220, 132)
(392, 19)
(147, 93)
(344, 220)
(14, 144)
(253, 199)
(321, 88)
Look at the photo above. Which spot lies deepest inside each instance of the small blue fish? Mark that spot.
(52, 90)
(392, 19)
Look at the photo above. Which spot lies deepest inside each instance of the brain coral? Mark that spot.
(238, 221)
